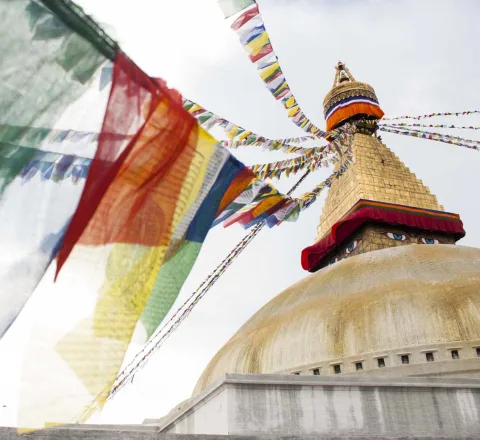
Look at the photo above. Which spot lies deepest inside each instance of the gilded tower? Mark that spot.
(378, 202)
(376, 305)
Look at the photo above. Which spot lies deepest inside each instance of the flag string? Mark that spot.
(432, 136)
(431, 115)
(456, 127)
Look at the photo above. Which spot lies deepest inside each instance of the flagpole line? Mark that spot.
(140, 359)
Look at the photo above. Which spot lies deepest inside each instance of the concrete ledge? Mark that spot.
(290, 379)
(349, 381)
(332, 406)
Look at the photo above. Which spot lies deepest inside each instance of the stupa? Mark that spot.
(384, 336)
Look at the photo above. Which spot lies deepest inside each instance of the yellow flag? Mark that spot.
(293, 111)
(257, 44)
(267, 71)
(290, 102)
(244, 136)
(194, 108)
(231, 134)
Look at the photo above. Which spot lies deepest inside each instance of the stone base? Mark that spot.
(342, 407)
(116, 433)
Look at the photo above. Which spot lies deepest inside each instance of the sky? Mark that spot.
(419, 57)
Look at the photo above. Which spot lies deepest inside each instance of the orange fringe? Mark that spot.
(353, 109)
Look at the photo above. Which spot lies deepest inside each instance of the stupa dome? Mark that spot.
(386, 304)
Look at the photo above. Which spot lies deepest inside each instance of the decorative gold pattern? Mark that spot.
(347, 90)
(345, 86)
(376, 174)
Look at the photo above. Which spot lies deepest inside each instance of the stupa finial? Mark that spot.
(342, 74)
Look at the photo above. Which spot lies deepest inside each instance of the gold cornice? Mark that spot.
(348, 90)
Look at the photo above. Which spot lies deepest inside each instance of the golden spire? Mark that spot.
(342, 75)
(376, 174)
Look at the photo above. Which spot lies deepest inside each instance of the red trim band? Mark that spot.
(366, 211)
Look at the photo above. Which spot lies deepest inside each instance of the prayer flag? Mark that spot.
(231, 7)
(251, 34)
(264, 52)
(255, 46)
(245, 17)
(127, 236)
(270, 72)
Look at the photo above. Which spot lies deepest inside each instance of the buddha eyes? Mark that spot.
(429, 240)
(402, 237)
(335, 260)
(397, 237)
(351, 247)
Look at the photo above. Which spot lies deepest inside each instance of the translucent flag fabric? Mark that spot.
(126, 229)
(46, 72)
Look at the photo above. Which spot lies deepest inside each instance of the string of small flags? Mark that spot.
(446, 136)
(309, 198)
(239, 136)
(456, 127)
(292, 166)
(432, 136)
(313, 159)
(431, 115)
(255, 39)
(273, 144)
(33, 136)
(56, 167)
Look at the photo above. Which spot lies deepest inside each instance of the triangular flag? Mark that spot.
(204, 117)
(195, 108)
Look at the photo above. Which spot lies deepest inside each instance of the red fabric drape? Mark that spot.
(139, 166)
(313, 255)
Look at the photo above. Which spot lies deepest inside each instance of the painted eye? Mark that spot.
(396, 236)
(351, 247)
(425, 240)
